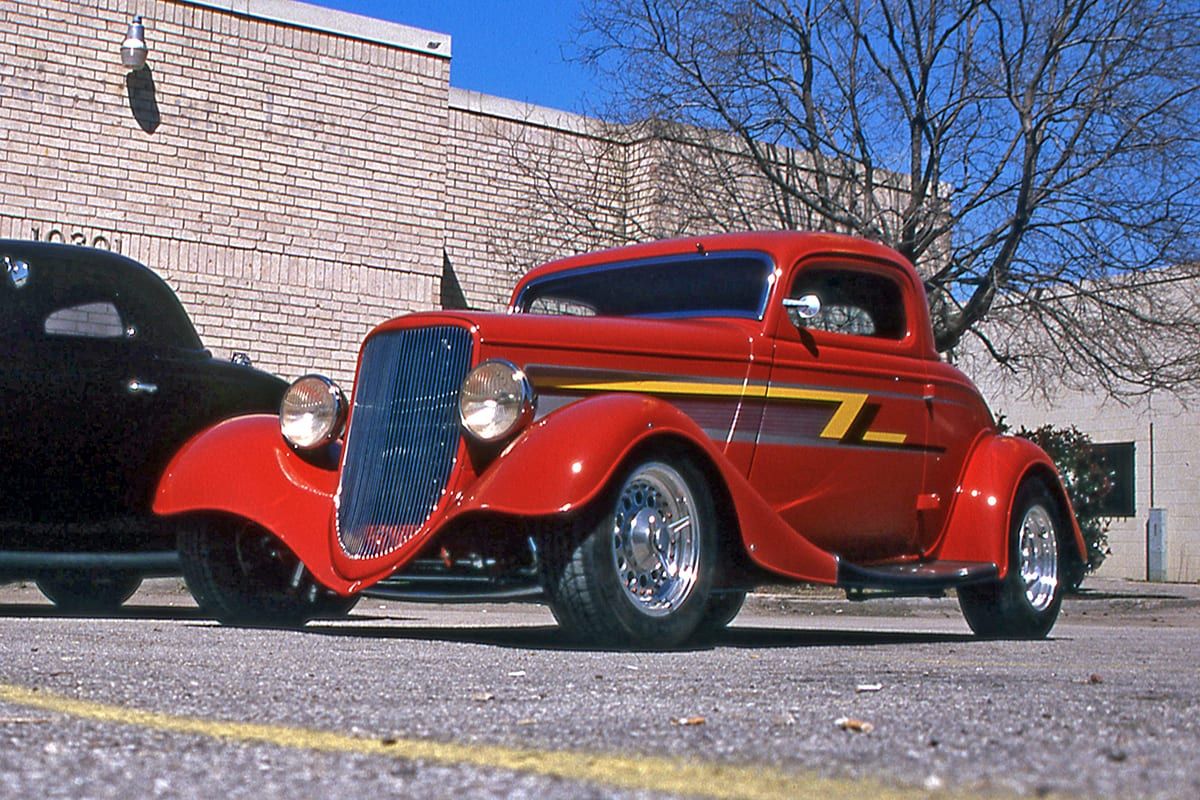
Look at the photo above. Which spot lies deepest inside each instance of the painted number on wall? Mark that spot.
(76, 237)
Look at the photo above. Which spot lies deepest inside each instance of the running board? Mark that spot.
(152, 564)
(927, 579)
(430, 580)
(454, 594)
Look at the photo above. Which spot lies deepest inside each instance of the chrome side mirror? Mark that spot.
(18, 272)
(806, 306)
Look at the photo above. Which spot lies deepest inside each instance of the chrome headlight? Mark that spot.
(495, 400)
(313, 412)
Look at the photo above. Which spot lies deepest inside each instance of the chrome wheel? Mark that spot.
(1025, 602)
(638, 567)
(656, 540)
(1038, 552)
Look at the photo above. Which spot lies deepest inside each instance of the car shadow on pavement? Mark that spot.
(1085, 595)
(548, 637)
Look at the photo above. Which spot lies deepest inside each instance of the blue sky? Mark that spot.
(518, 49)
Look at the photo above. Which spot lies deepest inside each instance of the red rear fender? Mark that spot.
(244, 467)
(977, 529)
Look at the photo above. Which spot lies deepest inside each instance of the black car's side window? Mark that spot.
(87, 320)
(849, 302)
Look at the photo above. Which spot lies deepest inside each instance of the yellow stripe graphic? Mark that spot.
(849, 404)
(879, 437)
(634, 772)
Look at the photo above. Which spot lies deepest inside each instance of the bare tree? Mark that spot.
(1036, 160)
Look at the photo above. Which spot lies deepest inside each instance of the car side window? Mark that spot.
(87, 320)
(560, 306)
(851, 302)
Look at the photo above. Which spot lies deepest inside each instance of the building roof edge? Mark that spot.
(543, 116)
(343, 23)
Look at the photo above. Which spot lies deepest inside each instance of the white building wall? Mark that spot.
(299, 175)
(1166, 434)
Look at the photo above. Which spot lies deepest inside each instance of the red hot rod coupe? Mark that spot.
(645, 435)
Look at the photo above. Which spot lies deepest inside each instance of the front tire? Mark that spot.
(641, 574)
(241, 574)
(721, 610)
(88, 591)
(1025, 604)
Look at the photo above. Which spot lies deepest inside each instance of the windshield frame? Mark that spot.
(770, 273)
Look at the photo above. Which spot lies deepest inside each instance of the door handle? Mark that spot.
(134, 386)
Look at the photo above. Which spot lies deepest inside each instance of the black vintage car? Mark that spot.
(102, 378)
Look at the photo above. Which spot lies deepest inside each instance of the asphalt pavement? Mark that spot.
(808, 695)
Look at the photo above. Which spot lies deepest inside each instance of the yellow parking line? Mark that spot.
(644, 773)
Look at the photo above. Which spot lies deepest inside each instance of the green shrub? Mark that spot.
(1087, 483)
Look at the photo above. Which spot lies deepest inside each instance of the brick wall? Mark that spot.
(299, 175)
(528, 184)
(525, 185)
(285, 180)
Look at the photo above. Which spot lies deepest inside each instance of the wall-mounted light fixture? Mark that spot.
(133, 49)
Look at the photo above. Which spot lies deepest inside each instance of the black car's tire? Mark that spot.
(637, 570)
(243, 575)
(83, 591)
(1025, 604)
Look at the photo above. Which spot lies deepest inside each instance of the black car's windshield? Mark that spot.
(708, 285)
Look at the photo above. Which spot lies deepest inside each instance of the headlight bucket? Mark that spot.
(313, 412)
(496, 400)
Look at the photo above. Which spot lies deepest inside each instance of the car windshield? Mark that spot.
(700, 285)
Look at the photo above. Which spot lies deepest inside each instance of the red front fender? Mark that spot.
(244, 467)
(979, 522)
(565, 460)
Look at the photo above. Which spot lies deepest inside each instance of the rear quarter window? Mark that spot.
(85, 321)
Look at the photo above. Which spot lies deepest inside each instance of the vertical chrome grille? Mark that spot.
(403, 436)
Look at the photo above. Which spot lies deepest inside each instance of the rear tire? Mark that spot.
(1025, 604)
(83, 591)
(241, 574)
(641, 573)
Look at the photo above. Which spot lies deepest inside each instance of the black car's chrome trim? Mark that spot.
(18, 272)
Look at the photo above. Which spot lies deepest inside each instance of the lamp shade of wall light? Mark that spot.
(133, 49)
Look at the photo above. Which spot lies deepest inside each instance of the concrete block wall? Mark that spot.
(284, 176)
(299, 175)
(526, 185)
(685, 182)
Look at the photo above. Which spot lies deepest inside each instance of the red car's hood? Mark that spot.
(717, 339)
